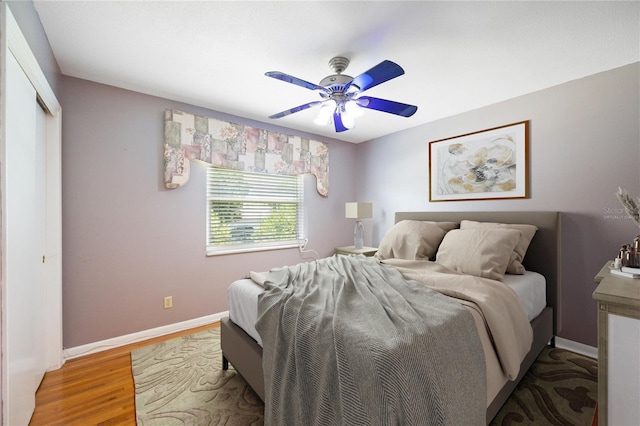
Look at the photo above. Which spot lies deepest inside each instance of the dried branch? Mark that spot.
(629, 205)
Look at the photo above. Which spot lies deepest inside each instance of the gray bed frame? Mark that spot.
(543, 256)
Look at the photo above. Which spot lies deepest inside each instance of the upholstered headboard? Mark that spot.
(543, 255)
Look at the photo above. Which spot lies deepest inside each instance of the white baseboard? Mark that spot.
(116, 342)
(576, 347)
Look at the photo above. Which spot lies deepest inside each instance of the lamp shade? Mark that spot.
(358, 210)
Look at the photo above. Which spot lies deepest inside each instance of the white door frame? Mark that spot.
(12, 41)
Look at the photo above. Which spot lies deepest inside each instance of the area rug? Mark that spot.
(560, 388)
(181, 382)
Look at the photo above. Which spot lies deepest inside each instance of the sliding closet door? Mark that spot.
(25, 197)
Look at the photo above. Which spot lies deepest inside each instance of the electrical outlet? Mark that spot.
(168, 302)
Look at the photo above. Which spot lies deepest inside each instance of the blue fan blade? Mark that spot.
(295, 109)
(294, 80)
(392, 107)
(337, 121)
(384, 71)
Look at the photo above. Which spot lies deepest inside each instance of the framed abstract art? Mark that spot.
(484, 165)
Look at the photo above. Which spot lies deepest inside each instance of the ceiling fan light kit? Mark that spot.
(341, 94)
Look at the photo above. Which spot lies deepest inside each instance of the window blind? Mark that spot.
(253, 211)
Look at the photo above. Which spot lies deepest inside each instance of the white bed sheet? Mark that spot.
(243, 299)
(531, 289)
(243, 306)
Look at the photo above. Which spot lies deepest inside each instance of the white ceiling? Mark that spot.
(457, 56)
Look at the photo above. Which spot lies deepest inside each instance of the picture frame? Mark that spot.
(484, 165)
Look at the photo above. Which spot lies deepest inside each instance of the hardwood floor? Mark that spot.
(95, 389)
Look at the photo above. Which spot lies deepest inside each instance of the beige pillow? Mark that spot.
(527, 233)
(480, 252)
(413, 239)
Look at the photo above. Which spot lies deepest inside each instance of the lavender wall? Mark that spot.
(128, 242)
(584, 143)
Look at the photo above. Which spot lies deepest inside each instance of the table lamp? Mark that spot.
(358, 211)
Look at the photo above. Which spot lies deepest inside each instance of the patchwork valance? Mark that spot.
(189, 137)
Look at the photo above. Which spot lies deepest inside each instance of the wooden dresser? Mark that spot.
(618, 301)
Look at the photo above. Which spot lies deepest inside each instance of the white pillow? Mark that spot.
(527, 232)
(413, 239)
(479, 252)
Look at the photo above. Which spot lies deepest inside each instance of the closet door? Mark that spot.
(25, 214)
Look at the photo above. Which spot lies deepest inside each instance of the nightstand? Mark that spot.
(618, 300)
(351, 250)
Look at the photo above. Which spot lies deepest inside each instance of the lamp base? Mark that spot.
(358, 235)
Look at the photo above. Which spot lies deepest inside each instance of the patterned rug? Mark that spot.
(181, 382)
(560, 388)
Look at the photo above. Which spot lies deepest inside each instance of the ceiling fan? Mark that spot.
(341, 94)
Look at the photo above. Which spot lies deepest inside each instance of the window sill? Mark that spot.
(250, 249)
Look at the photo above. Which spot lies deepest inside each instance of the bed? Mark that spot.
(542, 257)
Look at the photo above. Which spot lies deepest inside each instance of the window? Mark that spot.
(252, 211)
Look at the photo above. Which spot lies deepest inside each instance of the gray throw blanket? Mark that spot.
(347, 341)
